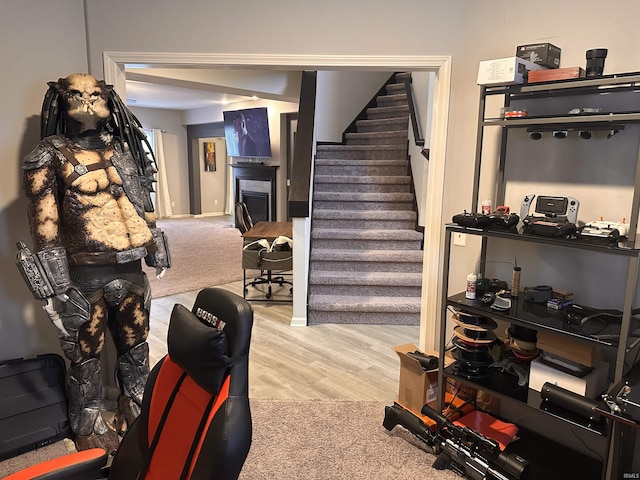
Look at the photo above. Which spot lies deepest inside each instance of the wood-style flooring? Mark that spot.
(348, 362)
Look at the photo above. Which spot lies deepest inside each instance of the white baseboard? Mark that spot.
(298, 322)
(211, 214)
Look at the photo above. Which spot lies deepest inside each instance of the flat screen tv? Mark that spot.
(247, 132)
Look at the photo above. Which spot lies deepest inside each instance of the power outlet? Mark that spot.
(460, 239)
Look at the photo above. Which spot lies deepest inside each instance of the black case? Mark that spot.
(33, 403)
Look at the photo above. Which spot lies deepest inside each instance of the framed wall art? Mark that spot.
(209, 157)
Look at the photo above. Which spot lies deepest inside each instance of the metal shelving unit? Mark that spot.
(616, 338)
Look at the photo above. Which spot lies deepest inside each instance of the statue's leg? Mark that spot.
(84, 382)
(84, 389)
(129, 329)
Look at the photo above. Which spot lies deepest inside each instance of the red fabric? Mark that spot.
(222, 397)
(181, 424)
(502, 432)
(59, 464)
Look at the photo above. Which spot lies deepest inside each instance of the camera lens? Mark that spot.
(595, 61)
(584, 134)
(560, 134)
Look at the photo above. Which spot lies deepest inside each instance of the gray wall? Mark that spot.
(45, 39)
(40, 41)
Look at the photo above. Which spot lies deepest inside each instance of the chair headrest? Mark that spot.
(233, 310)
(199, 349)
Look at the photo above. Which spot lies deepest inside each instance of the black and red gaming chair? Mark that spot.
(195, 421)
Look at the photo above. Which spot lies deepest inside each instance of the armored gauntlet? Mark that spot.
(161, 258)
(46, 272)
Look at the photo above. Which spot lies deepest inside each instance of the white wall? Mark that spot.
(422, 87)
(340, 96)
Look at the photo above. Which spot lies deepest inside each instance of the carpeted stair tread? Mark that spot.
(377, 234)
(396, 110)
(394, 88)
(362, 152)
(392, 99)
(377, 138)
(334, 303)
(356, 162)
(395, 256)
(365, 214)
(382, 124)
(371, 179)
(367, 278)
(363, 197)
(366, 257)
(373, 148)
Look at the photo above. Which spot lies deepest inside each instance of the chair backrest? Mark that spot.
(242, 217)
(195, 421)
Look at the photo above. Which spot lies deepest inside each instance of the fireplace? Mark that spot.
(258, 205)
(255, 185)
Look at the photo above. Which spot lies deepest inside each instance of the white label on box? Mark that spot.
(505, 71)
(432, 392)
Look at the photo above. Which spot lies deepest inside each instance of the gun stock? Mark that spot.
(460, 449)
(398, 415)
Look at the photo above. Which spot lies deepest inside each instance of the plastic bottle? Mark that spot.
(486, 207)
(515, 281)
(471, 286)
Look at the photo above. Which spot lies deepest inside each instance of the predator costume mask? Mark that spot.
(86, 99)
(81, 98)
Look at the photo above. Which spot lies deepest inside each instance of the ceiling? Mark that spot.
(154, 95)
(192, 88)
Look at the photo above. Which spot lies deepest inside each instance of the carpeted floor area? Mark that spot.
(205, 252)
(333, 440)
(314, 440)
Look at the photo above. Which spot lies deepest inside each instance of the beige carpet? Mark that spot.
(205, 252)
(333, 440)
(314, 440)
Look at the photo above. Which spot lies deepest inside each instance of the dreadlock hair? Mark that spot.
(122, 125)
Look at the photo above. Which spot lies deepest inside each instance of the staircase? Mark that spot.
(366, 257)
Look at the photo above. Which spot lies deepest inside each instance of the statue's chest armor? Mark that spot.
(90, 171)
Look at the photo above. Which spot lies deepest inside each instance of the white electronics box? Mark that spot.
(590, 386)
(505, 71)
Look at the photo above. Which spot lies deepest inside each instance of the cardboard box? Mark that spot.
(544, 54)
(590, 385)
(565, 347)
(556, 74)
(417, 387)
(505, 71)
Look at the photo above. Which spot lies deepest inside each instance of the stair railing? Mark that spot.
(413, 114)
(303, 149)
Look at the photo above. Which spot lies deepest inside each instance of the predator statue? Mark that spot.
(88, 183)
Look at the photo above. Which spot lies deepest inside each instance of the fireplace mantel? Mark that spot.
(257, 172)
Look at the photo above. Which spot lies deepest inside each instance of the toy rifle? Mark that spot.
(462, 450)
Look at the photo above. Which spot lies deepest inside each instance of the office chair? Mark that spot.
(242, 217)
(195, 421)
(267, 257)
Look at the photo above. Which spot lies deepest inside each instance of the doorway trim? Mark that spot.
(114, 64)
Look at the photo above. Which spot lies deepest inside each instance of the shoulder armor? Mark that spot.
(39, 156)
(42, 153)
(123, 161)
